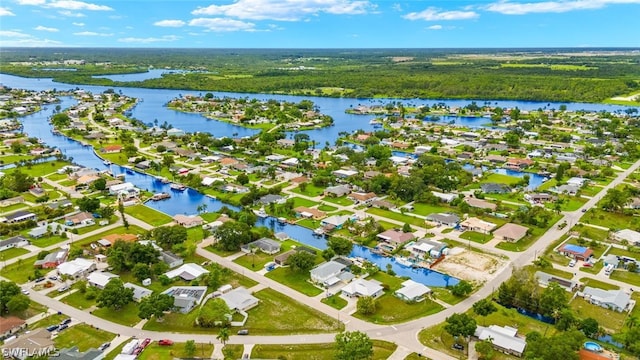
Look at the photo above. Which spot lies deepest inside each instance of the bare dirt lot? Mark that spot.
(469, 265)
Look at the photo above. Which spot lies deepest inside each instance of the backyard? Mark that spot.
(608, 319)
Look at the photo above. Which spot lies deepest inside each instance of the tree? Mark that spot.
(106, 212)
(130, 150)
(223, 335)
(553, 298)
(460, 325)
(155, 305)
(18, 304)
(232, 234)
(565, 320)
(632, 266)
(141, 271)
(100, 184)
(242, 179)
(484, 307)
(590, 327)
(8, 290)
(406, 228)
(167, 236)
(485, 349)
(190, 348)
(114, 295)
(17, 181)
(301, 261)
(366, 305)
(353, 345)
(462, 288)
(214, 313)
(340, 245)
(88, 204)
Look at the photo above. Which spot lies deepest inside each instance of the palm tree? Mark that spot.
(633, 321)
(223, 335)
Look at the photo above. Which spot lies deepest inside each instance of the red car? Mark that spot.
(165, 342)
(145, 343)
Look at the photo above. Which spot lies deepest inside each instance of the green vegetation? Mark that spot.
(11, 253)
(598, 284)
(476, 236)
(391, 310)
(83, 336)
(609, 319)
(48, 321)
(20, 271)
(626, 276)
(398, 217)
(148, 215)
(126, 315)
(335, 301)
(158, 352)
(381, 350)
(297, 281)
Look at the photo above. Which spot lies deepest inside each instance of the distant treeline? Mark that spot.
(540, 75)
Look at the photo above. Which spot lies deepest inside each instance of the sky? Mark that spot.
(319, 23)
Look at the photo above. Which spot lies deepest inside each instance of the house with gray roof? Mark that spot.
(171, 259)
(270, 198)
(450, 220)
(266, 245)
(328, 273)
(337, 191)
(74, 354)
(185, 298)
(362, 287)
(412, 291)
(617, 300)
(493, 188)
(239, 299)
(139, 292)
(545, 279)
(503, 338)
(13, 242)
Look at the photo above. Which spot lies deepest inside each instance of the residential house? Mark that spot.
(575, 251)
(617, 300)
(171, 259)
(630, 236)
(139, 292)
(187, 272)
(76, 268)
(444, 197)
(329, 273)
(412, 291)
(545, 279)
(343, 173)
(362, 198)
(185, 298)
(362, 288)
(383, 204)
(239, 299)
(612, 261)
(80, 219)
(19, 216)
(480, 203)
(34, 342)
(538, 198)
(110, 149)
(100, 279)
(477, 225)
(493, 188)
(337, 191)
(74, 354)
(511, 232)
(305, 212)
(291, 162)
(10, 326)
(175, 132)
(503, 338)
(565, 189)
(13, 242)
(335, 221)
(428, 248)
(495, 159)
(518, 164)
(270, 198)
(43, 229)
(188, 221)
(266, 245)
(53, 259)
(577, 181)
(393, 239)
(121, 189)
(450, 220)
(111, 239)
(286, 142)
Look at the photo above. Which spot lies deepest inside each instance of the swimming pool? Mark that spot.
(591, 346)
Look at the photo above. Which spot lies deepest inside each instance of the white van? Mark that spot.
(572, 263)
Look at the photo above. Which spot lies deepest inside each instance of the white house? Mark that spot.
(239, 299)
(617, 300)
(16, 241)
(187, 272)
(328, 273)
(631, 236)
(412, 291)
(121, 188)
(77, 268)
(362, 287)
(100, 279)
(503, 338)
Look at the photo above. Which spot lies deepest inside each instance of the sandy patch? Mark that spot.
(469, 265)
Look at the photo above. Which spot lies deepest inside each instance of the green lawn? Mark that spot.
(391, 310)
(426, 209)
(335, 301)
(500, 179)
(593, 269)
(553, 271)
(11, 253)
(327, 208)
(148, 215)
(19, 271)
(278, 314)
(310, 190)
(83, 336)
(297, 281)
(14, 207)
(160, 352)
(476, 236)
(623, 252)
(40, 169)
(48, 321)
(626, 276)
(220, 252)
(610, 220)
(33, 310)
(398, 217)
(127, 315)
(233, 351)
(381, 350)
(445, 295)
(590, 232)
(46, 241)
(609, 319)
(342, 200)
(78, 301)
(598, 284)
(298, 201)
(569, 203)
(590, 190)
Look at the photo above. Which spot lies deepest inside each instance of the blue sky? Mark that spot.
(319, 23)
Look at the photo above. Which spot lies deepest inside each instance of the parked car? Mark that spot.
(53, 278)
(62, 327)
(572, 263)
(145, 342)
(40, 279)
(104, 346)
(243, 332)
(66, 321)
(457, 346)
(64, 288)
(25, 291)
(165, 342)
(53, 328)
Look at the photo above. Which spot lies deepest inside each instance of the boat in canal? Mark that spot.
(261, 213)
(160, 196)
(178, 187)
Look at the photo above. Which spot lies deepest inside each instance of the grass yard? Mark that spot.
(609, 319)
(590, 190)
(381, 350)
(233, 351)
(220, 252)
(19, 271)
(12, 252)
(296, 281)
(14, 207)
(590, 232)
(626, 276)
(598, 284)
(298, 201)
(622, 252)
(33, 310)
(445, 295)
(48, 321)
(335, 301)
(78, 301)
(593, 269)
(426, 209)
(46, 241)
(148, 215)
(342, 200)
(569, 203)
(399, 217)
(500, 179)
(610, 220)
(310, 190)
(391, 310)
(127, 315)
(83, 336)
(160, 352)
(40, 169)
(255, 261)
(476, 236)
(552, 271)
(327, 208)
(278, 314)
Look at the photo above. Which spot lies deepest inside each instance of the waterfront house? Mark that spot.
(362, 287)
(175, 132)
(270, 198)
(412, 291)
(13, 242)
(616, 300)
(110, 149)
(266, 245)
(393, 238)
(329, 273)
(511, 232)
(493, 188)
(503, 339)
(305, 212)
(188, 221)
(545, 279)
(446, 219)
(428, 248)
(335, 221)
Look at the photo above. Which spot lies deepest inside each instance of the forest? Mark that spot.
(535, 74)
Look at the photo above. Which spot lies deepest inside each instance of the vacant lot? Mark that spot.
(608, 319)
(381, 350)
(83, 336)
(469, 265)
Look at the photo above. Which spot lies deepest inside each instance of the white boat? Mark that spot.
(261, 213)
(107, 162)
(403, 261)
(282, 220)
(177, 187)
(318, 232)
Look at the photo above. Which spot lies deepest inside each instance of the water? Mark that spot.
(151, 74)
(535, 180)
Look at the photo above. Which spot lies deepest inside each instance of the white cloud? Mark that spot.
(68, 13)
(166, 38)
(433, 14)
(20, 39)
(91, 33)
(76, 5)
(77, 24)
(30, 2)
(44, 28)
(170, 23)
(509, 8)
(13, 34)
(435, 27)
(222, 25)
(285, 10)
(6, 12)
